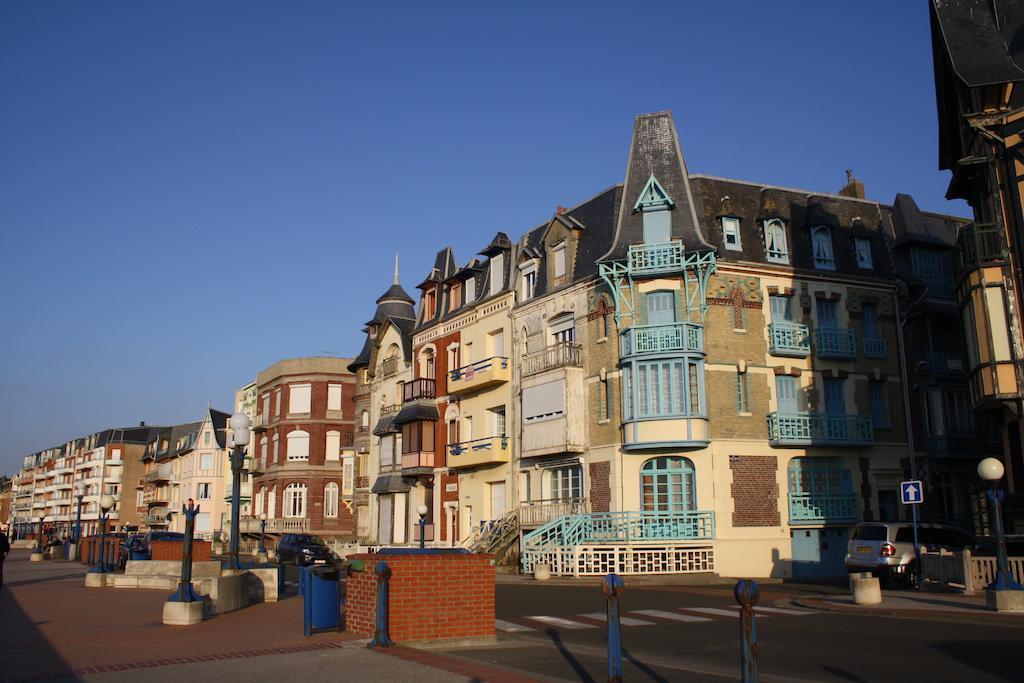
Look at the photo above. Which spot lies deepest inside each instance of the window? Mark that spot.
(565, 483)
(454, 293)
(497, 421)
(731, 233)
(818, 476)
(862, 247)
(785, 395)
(835, 397)
(277, 402)
(299, 398)
(206, 461)
(203, 490)
(558, 255)
(667, 388)
(657, 226)
(453, 432)
(334, 397)
(544, 401)
(295, 500)
(563, 329)
(604, 402)
(827, 317)
(273, 453)
(879, 412)
(364, 420)
(430, 303)
(467, 428)
(870, 321)
(497, 273)
(347, 471)
(206, 438)
(266, 405)
(661, 308)
(332, 447)
(782, 308)
(418, 437)
(331, 500)
(496, 342)
(529, 283)
(453, 357)
(470, 290)
(821, 244)
(742, 393)
(387, 452)
(202, 522)
(298, 445)
(775, 242)
(667, 484)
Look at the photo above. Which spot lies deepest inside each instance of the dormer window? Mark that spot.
(821, 244)
(558, 257)
(430, 303)
(655, 205)
(862, 247)
(497, 273)
(775, 242)
(731, 233)
(470, 290)
(454, 292)
(528, 281)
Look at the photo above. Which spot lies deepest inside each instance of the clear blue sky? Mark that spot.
(190, 191)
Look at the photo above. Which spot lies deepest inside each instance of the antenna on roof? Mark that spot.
(396, 268)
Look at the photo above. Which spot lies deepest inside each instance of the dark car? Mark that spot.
(303, 549)
(137, 546)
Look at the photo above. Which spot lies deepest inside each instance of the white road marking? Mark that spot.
(661, 614)
(713, 610)
(564, 623)
(508, 626)
(625, 621)
(782, 610)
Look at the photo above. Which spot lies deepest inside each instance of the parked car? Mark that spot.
(886, 549)
(303, 549)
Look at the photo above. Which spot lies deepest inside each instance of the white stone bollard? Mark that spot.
(866, 591)
(541, 572)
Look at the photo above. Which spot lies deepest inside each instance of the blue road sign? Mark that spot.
(911, 492)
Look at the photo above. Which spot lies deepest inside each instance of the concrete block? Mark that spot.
(866, 591)
(263, 584)
(230, 593)
(1005, 600)
(36, 557)
(183, 613)
(157, 583)
(541, 572)
(125, 581)
(170, 568)
(95, 580)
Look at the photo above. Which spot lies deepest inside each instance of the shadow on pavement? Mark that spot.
(556, 639)
(994, 657)
(19, 634)
(843, 674)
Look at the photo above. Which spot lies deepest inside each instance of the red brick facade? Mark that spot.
(755, 493)
(174, 550)
(431, 597)
(600, 487)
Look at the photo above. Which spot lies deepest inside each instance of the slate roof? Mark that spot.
(983, 38)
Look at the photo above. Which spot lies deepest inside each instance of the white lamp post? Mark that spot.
(991, 471)
(422, 512)
(238, 439)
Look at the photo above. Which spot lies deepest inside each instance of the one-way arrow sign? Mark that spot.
(911, 492)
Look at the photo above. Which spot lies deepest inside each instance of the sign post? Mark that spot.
(912, 494)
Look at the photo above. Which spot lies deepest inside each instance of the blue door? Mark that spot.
(785, 394)
(661, 308)
(819, 553)
(827, 314)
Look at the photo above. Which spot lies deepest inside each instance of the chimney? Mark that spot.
(561, 210)
(142, 423)
(853, 187)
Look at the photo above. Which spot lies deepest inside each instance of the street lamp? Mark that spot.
(991, 471)
(261, 552)
(106, 502)
(79, 494)
(422, 512)
(37, 552)
(238, 439)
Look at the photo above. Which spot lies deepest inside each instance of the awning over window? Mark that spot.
(390, 483)
(386, 425)
(416, 412)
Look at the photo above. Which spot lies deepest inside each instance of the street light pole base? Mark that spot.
(1005, 600)
(183, 613)
(37, 557)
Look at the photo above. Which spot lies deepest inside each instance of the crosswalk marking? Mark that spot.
(674, 616)
(713, 610)
(625, 621)
(782, 610)
(564, 623)
(509, 627)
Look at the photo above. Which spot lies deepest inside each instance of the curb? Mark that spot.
(963, 617)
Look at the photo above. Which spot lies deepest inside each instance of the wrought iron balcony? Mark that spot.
(479, 375)
(391, 409)
(874, 348)
(641, 339)
(490, 449)
(557, 355)
(939, 287)
(834, 342)
(807, 429)
(979, 244)
(419, 388)
(820, 508)
(161, 473)
(789, 339)
(663, 257)
(940, 364)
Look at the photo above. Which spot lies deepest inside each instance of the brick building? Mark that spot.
(301, 455)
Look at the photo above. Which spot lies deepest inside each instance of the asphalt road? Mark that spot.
(809, 647)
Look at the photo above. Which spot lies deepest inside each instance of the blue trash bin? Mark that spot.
(321, 595)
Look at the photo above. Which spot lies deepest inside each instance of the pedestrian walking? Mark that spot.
(5, 547)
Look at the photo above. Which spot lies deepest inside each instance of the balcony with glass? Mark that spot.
(486, 451)
(664, 403)
(789, 339)
(821, 492)
(834, 342)
(162, 473)
(483, 374)
(558, 355)
(819, 429)
(418, 447)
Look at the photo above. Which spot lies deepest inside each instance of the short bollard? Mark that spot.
(746, 595)
(380, 638)
(612, 586)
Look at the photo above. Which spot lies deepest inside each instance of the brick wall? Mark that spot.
(600, 488)
(432, 597)
(174, 550)
(755, 491)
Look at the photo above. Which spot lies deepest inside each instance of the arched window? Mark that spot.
(821, 243)
(364, 420)
(298, 445)
(668, 484)
(295, 500)
(775, 242)
(331, 500)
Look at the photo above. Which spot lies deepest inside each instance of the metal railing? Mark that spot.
(287, 526)
(834, 342)
(161, 473)
(817, 508)
(391, 409)
(941, 363)
(939, 286)
(979, 244)
(557, 355)
(788, 339)
(419, 388)
(467, 372)
(537, 512)
(819, 428)
(656, 258)
(632, 526)
(661, 338)
(874, 348)
(486, 442)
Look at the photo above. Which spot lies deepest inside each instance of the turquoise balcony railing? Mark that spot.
(623, 527)
(661, 338)
(833, 342)
(821, 508)
(789, 339)
(940, 364)
(805, 429)
(874, 348)
(661, 257)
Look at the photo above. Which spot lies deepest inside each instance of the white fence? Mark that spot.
(963, 570)
(598, 560)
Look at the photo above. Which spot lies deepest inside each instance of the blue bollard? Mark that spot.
(746, 593)
(612, 586)
(380, 638)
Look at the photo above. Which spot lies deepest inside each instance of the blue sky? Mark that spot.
(190, 191)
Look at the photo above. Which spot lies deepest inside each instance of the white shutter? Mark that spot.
(544, 401)
(333, 446)
(334, 397)
(299, 398)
